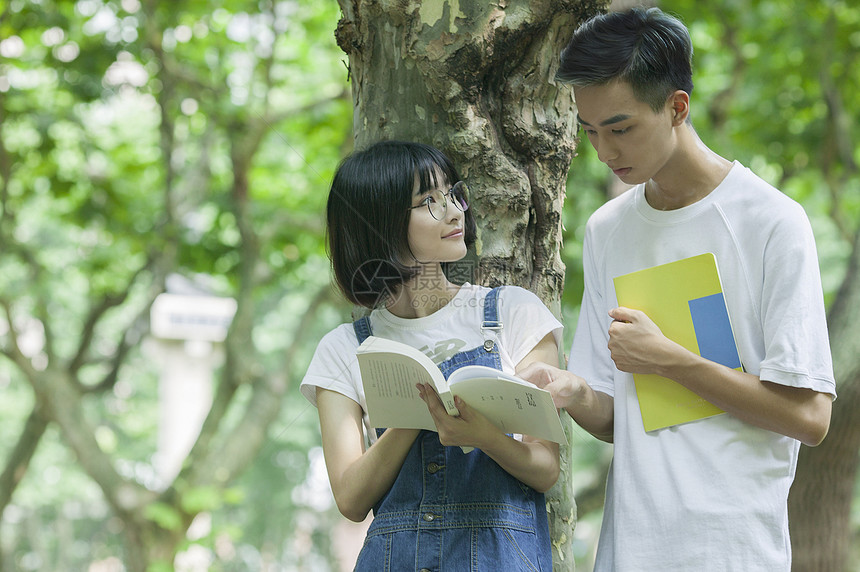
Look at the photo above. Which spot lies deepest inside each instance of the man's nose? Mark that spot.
(606, 151)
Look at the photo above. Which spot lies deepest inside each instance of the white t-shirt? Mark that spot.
(711, 494)
(454, 328)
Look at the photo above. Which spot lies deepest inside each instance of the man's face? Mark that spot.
(629, 137)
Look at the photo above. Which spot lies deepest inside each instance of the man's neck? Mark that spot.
(689, 177)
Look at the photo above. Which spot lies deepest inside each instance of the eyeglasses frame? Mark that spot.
(447, 197)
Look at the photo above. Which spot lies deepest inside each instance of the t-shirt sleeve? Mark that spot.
(526, 320)
(334, 366)
(797, 351)
(589, 357)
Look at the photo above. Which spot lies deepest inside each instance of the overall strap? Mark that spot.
(491, 326)
(362, 328)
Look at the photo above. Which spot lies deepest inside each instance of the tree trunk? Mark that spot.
(476, 80)
(820, 503)
(820, 500)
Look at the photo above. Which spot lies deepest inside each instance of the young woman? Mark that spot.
(397, 213)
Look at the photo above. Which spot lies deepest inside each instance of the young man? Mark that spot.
(709, 494)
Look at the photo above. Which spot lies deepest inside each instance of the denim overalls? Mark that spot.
(449, 510)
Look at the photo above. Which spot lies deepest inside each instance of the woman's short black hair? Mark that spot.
(647, 48)
(368, 216)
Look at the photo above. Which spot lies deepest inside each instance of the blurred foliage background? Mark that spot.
(144, 140)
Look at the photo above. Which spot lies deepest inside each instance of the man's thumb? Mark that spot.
(621, 314)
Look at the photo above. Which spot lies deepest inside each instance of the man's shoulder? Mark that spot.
(610, 211)
(751, 195)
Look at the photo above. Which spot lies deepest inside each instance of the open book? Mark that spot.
(685, 299)
(390, 370)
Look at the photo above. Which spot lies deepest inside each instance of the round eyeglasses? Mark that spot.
(437, 201)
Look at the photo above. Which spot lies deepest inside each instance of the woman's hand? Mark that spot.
(469, 429)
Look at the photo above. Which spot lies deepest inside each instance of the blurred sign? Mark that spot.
(181, 317)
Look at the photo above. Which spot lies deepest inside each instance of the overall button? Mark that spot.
(433, 468)
(430, 517)
(488, 345)
(424, 570)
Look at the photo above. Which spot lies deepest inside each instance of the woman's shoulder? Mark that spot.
(341, 337)
(507, 293)
(519, 294)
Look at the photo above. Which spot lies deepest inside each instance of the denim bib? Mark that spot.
(449, 510)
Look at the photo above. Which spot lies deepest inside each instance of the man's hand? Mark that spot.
(638, 346)
(563, 385)
(592, 410)
(636, 343)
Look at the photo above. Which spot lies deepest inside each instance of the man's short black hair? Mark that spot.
(368, 216)
(647, 48)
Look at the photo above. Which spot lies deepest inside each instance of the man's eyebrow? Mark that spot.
(614, 119)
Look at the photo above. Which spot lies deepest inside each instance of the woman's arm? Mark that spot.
(532, 461)
(358, 478)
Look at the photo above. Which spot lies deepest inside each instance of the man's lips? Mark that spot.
(621, 172)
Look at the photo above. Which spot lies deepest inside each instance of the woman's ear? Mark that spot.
(680, 105)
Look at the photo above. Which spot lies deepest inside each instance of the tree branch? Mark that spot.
(97, 311)
(62, 404)
(243, 443)
(20, 457)
(840, 138)
(128, 338)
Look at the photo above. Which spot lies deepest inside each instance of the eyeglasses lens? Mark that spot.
(456, 195)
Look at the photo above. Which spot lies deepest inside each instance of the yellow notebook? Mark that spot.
(685, 299)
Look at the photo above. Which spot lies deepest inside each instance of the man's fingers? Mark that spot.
(622, 314)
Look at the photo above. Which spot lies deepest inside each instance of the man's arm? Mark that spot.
(592, 410)
(638, 346)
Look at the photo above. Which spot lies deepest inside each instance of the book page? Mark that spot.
(389, 387)
(395, 379)
(513, 406)
(471, 371)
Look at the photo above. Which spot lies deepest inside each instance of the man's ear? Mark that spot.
(679, 102)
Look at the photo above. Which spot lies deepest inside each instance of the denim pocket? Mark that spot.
(502, 548)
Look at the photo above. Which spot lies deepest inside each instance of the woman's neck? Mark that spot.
(428, 292)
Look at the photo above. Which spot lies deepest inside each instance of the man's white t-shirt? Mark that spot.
(710, 494)
(454, 328)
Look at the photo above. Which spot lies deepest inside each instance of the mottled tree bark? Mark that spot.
(820, 500)
(476, 79)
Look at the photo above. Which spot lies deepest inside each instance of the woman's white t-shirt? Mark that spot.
(454, 328)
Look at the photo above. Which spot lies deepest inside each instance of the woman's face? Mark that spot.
(432, 240)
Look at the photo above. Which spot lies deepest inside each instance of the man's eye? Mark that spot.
(621, 131)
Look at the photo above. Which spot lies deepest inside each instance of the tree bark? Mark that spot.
(476, 80)
(820, 500)
(820, 503)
